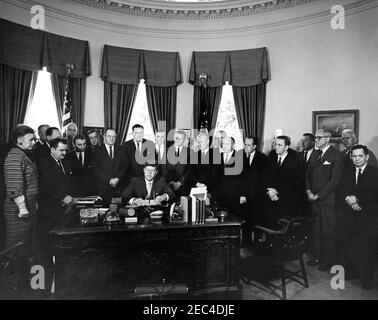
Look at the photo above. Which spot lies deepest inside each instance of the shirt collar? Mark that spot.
(362, 168)
(283, 156)
(324, 150)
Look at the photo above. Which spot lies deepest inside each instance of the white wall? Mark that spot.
(313, 67)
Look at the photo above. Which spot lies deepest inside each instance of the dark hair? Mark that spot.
(89, 131)
(254, 139)
(151, 164)
(42, 125)
(136, 126)
(55, 142)
(79, 137)
(286, 139)
(50, 130)
(110, 128)
(21, 131)
(360, 146)
(310, 135)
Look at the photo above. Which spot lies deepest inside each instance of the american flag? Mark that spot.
(66, 119)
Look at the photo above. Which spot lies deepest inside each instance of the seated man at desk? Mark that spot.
(148, 187)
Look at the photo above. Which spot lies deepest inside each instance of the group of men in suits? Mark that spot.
(317, 183)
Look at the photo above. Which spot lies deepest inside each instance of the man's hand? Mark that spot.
(311, 197)
(23, 213)
(351, 200)
(243, 200)
(175, 185)
(356, 207)
(160, 199)
(113, 182)
(271, 192)
(200, 185)
(68, 200)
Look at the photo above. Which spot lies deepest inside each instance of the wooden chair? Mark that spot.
(281, 246)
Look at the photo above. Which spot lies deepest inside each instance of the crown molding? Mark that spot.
(190, 31)
(191, 10)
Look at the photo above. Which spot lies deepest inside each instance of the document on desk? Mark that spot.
(199, 193)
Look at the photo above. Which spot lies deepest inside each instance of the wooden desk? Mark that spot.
(99, 261)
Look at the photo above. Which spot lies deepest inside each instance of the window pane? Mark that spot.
(140, 114)
(227, 119)
(42, 109)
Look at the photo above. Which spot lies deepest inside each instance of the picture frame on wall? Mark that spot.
(336, 121)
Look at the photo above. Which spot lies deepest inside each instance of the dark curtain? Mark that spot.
(250, 108)
(206, 105)
(162, 105)
(15, 85)
(77, 87)
(118, 104)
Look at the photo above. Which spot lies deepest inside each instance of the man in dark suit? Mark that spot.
(93, 138)
(110, 167)
(358, 198)
(349, 139)
(81, 164)
(322, 179)
(177, 166)
(43, 150)
(359, 203)
(139, 151)
(150, 186)
(161, 153)
(228, 190)
(204, 169)
(42, 134)
(281, 183)
(254, 170)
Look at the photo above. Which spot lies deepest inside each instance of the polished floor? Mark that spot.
(320, 287)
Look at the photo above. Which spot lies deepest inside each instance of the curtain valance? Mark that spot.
(240, 67)
(128, 66)
(28, 49)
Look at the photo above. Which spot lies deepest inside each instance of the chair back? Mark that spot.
(294, 241)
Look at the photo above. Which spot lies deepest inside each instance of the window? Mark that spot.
(42, 109)
(141, 115)
(227, 119)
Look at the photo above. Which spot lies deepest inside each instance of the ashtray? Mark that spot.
(221, 215)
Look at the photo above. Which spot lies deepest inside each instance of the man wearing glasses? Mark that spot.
(322, 178)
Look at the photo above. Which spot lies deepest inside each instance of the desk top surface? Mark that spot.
(71, 224)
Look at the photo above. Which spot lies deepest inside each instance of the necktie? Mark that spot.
(61, 166)
(349, 154)
(149, 188)
(358, 175)
(111, 152)
(279, 161)
(249, 158)
(320, 155)
(177, 153)
(139, 148)
(305, 155)
(80, 158)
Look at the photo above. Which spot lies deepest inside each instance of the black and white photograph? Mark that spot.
(216, 151)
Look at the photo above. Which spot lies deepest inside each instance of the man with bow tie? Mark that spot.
(81, 164)
(358, 199)
(323, 175)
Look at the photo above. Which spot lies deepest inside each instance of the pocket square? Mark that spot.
(325, 163)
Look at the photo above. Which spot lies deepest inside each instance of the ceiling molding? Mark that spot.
(192, 11)
(190, 31)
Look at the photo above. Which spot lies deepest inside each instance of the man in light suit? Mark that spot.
(139, 151)
(110, 167)
(358, 198)
(322, 179)
(150, 186)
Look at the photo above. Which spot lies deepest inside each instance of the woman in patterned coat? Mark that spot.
(21, 181)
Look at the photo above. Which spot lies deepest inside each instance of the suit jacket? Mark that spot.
(162, 162)
(366, 190)
(137, 189)
(54, 185)
(82, 174)
(285, 180)
(177, 169)
(41, 151)
(105, 169)
(205, 169)
(323, 177)
(253, 176)
(136, 165)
